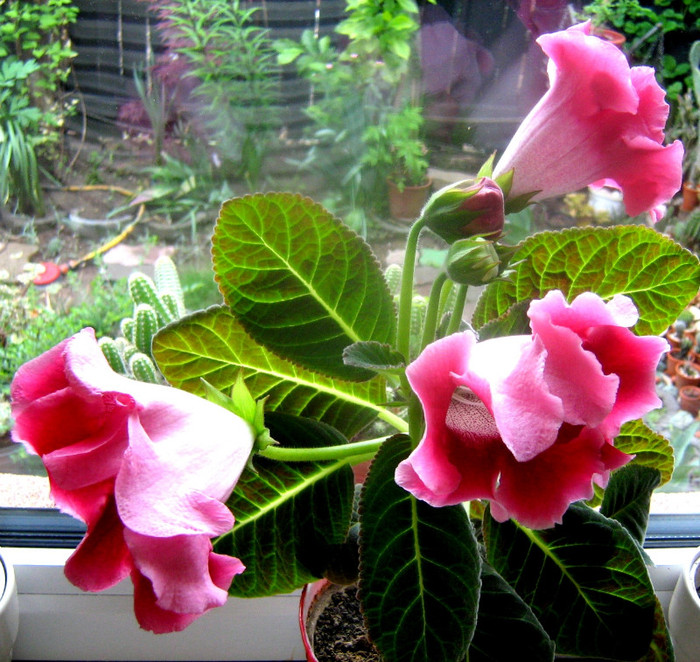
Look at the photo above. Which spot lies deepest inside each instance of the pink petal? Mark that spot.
(94, 459)
(520, 396)
(537, 493)
(176, 485)
(38, 378)
(186, 576)
(599, 120)
(102, 558)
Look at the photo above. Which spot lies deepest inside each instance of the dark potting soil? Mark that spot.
(340, 634)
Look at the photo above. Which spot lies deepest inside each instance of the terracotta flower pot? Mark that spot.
(690, 197)
(613, 36)
(687, 374)
(674, 358)
(406, 205)
(689, 397)
(684, 612)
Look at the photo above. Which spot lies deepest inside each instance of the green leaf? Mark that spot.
(419, 568)
(300, 282)
(210, 344)
(658, 274)
(287, 515)
(584, 579)
(649, 448)
(513, 321)
(374, 356)
(501, 610)
(628, 498)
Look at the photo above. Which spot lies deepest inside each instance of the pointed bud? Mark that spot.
(466, 209)
(477, 261)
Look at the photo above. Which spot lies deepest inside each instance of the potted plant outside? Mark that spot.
(684, 612)
(687, 374)
(395, 147)
(677, 356)
(689, 397)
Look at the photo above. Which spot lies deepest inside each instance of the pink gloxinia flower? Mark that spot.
(146, 467)
(528, 422)
(600, 120)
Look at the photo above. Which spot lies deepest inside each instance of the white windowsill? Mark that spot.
(59, 622)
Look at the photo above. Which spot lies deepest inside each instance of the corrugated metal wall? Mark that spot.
(113, 38)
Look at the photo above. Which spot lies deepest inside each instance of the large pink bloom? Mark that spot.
(600, 120)
(528, 422)
(146, 467)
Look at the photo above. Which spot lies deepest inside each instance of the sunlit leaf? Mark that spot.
(658, 274)
(287, 514)
(211, 344)
(300, 281)
(649, 448)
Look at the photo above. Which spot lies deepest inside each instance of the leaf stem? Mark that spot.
(458, 310)
(406, 294)
(320, 453)
(431, 314)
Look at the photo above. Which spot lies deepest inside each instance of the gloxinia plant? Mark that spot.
(506, 504)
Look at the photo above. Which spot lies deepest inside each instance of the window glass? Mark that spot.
(135, 119)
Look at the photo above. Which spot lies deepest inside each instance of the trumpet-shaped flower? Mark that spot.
(146, 467)
(528, 422)
(600, 120)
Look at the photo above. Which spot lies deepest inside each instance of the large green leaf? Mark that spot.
(658, 274)
(649, 448)
(288, 514)
(628, 498)
(419, 568)
(300, 281)
(503, 612)
(584, 579)
(212, 345)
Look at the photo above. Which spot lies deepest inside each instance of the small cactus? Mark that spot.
(392, 276)
(168, 283)
(128, 328)
(111, 352)
(143, 292)
(146, 327)
(156, 303)
(143, 369)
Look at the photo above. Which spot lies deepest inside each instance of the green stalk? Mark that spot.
(352, 450)
(403, 341)
(458, 311)
(406, 293)
(431, 314)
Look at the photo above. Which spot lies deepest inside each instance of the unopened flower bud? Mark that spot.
(466, 209)
(477, 261)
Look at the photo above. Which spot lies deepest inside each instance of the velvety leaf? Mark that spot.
(288, 514)
(628, 497)
(513, 321)
(506, 628)
(374, 356)
(419, 568)
(211, 344)
(649, 448)
(300, 281)
(584, 579)
(661, 647)
(658, 274)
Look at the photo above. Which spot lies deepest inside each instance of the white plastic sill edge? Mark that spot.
(60, 622)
